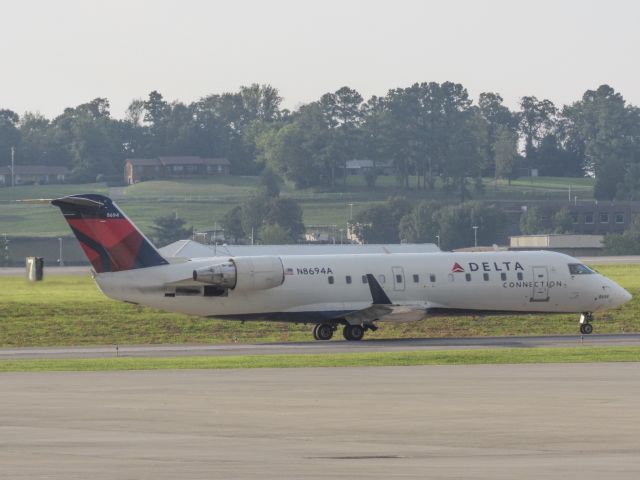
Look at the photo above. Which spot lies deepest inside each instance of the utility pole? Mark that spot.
(475, 235)
(438, 238)
(13, 176)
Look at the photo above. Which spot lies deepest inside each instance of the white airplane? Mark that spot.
(353, 291)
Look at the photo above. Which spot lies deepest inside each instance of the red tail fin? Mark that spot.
(110, 240)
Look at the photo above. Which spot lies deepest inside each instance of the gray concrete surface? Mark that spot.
(313, 347)
(484, 422)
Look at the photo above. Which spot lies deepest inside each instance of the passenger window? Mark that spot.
(330, 279)
(485, 276)
(348, 279)
(416, 278)
(364, 279)
(398, 278)
(503, 277)
(520, 276)
(467, 276)
(432, 278)
(382, 278)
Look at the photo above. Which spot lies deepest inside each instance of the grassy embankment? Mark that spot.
(71, 311)
(445, 357)
(202, 202)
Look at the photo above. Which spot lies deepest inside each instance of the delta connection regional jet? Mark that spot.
(352, 291)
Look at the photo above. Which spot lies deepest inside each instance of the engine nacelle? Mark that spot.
(243, 274)
(221, 275)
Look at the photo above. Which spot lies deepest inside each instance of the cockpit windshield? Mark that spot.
(579, 269)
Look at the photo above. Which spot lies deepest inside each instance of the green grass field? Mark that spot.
(384, 359)
(71, 311)
(202, 202)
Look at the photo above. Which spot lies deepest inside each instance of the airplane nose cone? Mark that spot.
(621, 296)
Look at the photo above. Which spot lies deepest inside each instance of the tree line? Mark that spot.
(434, 134)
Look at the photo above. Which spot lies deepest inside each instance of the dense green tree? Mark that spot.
(274, 234)
(456, 222)
(505, 153)
(626, 243)
(270, 182)
(562, 221)
(232, 225)
(610, 132)
(253, 213)
(420, 225)
(498, 117)
(248, 219)
(536, 119)
(286, 213)
(531, 222)
(9, 134)
(260, 102)
(375, 224)
(168, 229)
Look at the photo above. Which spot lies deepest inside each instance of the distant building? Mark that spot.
(33, 174)
(588, 217)
(141, 169)
(574, 245)
(359, 167)
(322, 234)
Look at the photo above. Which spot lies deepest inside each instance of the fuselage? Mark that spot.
(320, 287)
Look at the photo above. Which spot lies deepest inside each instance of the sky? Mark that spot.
(55, 54)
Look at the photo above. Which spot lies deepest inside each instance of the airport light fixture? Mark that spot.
(60, 260)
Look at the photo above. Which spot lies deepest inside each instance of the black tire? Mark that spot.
(323, 331)
(353, 333)
(586, 328)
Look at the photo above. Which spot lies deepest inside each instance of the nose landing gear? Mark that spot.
(585, 323)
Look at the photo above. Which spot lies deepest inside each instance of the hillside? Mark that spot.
(202, 202)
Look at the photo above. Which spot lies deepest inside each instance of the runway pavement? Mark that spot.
(339, 346)
(577, 421)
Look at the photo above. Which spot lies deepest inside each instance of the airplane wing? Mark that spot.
(383, 309)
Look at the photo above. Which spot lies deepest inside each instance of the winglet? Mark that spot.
(377, 293)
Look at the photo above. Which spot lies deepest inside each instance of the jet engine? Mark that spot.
(243, 274)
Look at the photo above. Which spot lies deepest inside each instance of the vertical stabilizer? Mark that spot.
(111, 242)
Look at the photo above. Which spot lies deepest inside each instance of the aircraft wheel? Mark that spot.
(353, 332)
(586, 328)
(323, 331)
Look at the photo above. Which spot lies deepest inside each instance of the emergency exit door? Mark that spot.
(398, 278)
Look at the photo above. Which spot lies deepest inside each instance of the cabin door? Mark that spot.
(398, 279)
(540, 284)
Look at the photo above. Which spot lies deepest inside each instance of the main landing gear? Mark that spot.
(585, 323)
(353, 332)
(324, 331)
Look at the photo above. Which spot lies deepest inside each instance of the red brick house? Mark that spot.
(33, 174)
(141, 169)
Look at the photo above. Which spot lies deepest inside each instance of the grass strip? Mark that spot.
(424, 357)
